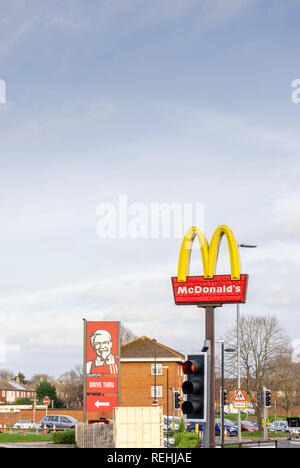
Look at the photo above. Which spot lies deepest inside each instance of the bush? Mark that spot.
(23, 401)
(64, 437)
(186, 440)
(181, 425)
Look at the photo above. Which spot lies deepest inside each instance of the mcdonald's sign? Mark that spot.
(209, 288)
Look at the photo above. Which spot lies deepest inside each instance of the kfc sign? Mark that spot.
(102, 404)
(102, 385)
(102, 348)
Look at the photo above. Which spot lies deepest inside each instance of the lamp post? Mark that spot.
(244, 246)
(166, 367)
(223, 351)
(155, 358)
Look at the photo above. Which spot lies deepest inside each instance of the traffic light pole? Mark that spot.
(265, 424)
(206, 425)
(210, 335)
(222, 394)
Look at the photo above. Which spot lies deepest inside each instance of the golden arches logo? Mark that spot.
(209, 253)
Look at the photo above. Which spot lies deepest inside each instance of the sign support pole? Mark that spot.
(210, 335)
(119, 364)
(84, 370)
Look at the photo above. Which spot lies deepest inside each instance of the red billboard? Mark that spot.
(219, 289)
(101, 403)
(102, 385)
(102, 348)
(209, 288)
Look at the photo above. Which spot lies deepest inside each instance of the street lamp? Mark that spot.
(166, 367)
(223, 351)
(155, 358)
(244, 246)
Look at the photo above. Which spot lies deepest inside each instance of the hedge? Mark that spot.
(64, 437)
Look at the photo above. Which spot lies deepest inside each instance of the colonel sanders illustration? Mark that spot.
(104, 362)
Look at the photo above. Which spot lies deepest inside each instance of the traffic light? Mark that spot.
(260, 399)
(195, 387)
(176, 400)
(267, 399)
(225, 397)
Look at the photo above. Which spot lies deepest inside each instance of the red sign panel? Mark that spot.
(101, 404)
(102, 385)
(102, 348)
(220, 289)
(46, 401)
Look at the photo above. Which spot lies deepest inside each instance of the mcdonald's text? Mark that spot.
(219, 289)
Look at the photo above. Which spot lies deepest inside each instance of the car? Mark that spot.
(279, 426)
(228, 425)
(61, 422)
(231, 430)
(24, 424)
(171, 442)
(247, 426)
(173, 423)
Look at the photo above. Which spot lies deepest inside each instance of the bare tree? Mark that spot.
(70, 387)
(37, 378)
(285, 381)
(6, 374)
(263, 341)
(127, 335)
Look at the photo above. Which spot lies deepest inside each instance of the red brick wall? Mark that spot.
(11, 418)
(136, 383)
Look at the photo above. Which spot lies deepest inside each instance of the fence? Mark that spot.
(94, 435)
(250, 444)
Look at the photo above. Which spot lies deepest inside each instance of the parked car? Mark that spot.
(61, 422)
(279, 426)
(231, 430)
(24, 424)
(171, 442)
(247, 426)
(173, 423)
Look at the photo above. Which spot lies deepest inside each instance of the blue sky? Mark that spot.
(164, 101)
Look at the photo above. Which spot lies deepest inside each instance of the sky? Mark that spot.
(168, 101)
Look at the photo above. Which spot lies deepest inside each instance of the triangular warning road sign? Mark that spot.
(239, 396)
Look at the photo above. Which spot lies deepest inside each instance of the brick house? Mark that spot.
(11, 390)
(139, 384)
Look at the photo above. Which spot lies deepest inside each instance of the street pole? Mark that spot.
(166, 367)
(239, 369)
(265, 414)
(247, 246)
(168, 407)
(210, 336)
(222, 394)
(155, 357)
(84, 370)
(206, 425)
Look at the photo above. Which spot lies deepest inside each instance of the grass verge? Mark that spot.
(22, 438)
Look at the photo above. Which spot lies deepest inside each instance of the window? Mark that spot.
(157, 393)
(54, 418)
(158, 369)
